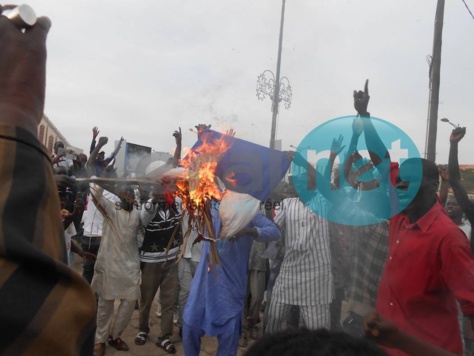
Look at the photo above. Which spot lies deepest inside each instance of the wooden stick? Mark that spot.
(120, 180)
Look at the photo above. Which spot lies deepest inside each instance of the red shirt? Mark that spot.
(429, 266)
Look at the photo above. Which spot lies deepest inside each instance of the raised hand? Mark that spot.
(22, 72)
(103, 141)
(178, 136)
(297, 158)
(361, 100)
(95, 132)
(202, 127)
(230, 132)
(457, 134)
(336, 146)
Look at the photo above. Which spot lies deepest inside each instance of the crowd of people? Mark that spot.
(404, 283)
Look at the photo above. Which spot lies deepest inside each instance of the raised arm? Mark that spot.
(93, 157)
(95, 133)
(454, 172)
(336, 149)
(117, 149)
(443, 187)
(372, 138)
(32, 253)
(177, 152)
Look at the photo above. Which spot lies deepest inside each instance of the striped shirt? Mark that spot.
(305, 277)
(370, 247)
(160, 225)
(46, 308)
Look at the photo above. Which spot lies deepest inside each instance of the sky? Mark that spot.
(143, 69)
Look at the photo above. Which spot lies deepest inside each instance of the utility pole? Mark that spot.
(275, 88)
(435, 72)
(276, 93)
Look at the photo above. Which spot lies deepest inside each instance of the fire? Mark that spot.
(200, 185)
(230, 178)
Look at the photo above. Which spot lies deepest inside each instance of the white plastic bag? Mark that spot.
(236, 211)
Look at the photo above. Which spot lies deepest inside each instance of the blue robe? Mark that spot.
(217, 293)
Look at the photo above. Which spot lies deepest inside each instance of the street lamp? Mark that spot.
(271, 85)
(266, 86)
(449, 122)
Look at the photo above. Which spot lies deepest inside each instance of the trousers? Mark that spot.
(227, 341)
(162, 275)
(105, 314)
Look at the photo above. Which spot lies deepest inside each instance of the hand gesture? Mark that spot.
(380, 330)
(95, 132)
(297, 159)
(457, 134)
(22, 72)
(443, 173)
(357, 127)
(202, 127)
(178, 136)
(361, 100)
(336, 146)
(103, 141)
(230, 132)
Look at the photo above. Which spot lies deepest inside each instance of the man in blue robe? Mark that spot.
(216, 299)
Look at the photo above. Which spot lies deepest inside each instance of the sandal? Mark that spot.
(118, 343)
(141, 338)
(166, 345)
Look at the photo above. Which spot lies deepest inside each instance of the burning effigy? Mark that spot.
(230, 174)
(200, 186)
(219, 172)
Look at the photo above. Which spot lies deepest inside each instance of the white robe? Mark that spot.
(117, 269)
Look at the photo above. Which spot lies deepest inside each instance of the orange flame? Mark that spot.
(230, 178)
(200, 185)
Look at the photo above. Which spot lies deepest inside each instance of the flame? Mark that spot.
(230, 178)
(200, 186)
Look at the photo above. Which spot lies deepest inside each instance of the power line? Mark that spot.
(468, 9)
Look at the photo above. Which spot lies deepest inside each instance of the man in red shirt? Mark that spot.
(429, 265)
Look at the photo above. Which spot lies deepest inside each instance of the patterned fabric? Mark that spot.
(314, 316)
(46, 308)
(305, 277)
(341, 252)
(160, 224)
(370, 246)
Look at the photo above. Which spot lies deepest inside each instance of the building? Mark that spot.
(48, 135)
